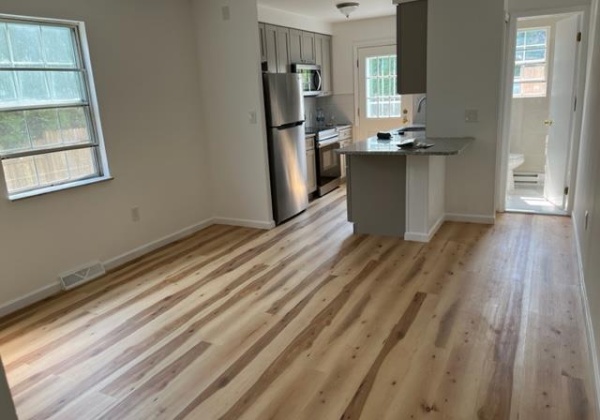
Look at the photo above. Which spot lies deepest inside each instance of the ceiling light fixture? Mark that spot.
(347, 7)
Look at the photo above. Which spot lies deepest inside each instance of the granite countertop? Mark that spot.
(442, 146)
(309, 135)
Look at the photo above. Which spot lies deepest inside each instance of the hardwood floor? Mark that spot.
(308, 321)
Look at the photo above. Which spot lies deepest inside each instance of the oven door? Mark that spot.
(329, 169)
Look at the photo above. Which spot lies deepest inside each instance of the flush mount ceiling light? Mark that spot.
(347, 7)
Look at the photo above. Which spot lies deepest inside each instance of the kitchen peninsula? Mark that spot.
(395, 191)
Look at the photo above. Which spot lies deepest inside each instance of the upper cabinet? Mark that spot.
(302, 47)
(280, 47)
(323, 58)
(412, 47)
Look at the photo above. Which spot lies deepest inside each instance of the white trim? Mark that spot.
(421, 237)
(471, 218)
(256, 224)
(587, 315)
(30, 299)
(154, 245)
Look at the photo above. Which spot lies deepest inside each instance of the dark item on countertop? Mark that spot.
(410, 144)
(383, 135)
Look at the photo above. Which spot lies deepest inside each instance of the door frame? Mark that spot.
(505, 109)
(385, 42)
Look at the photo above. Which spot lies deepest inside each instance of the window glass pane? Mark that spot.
(535, 89)
(535, 54)
(74, 125)
(372, 87)
(32, 172)
(520, 38)
(520, 55)
(13, 132)
(58, 46)
(384, 66)
(43, 128)
(534, 72)
(8, 92)
(395, 109)
(372, 68)
(384, 108)
(34, 88)
(372, 108)
(4, 51)
(536, 37)
(518, 71)
(516, 89)
(26, 45)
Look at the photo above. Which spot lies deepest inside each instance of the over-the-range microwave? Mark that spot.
(312, 82)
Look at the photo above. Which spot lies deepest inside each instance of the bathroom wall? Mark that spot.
(527, 130)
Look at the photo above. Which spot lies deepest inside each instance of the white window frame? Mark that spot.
(97, 137)
(545, 62)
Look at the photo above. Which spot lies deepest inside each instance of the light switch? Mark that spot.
(471, 116)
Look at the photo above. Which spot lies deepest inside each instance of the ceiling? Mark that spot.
(325, 10)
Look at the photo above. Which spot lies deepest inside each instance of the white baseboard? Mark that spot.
(256, 224)
(471, 218)
(53, 289)
(151, 246)
(30, 299)
(422, 237)
(589, 328)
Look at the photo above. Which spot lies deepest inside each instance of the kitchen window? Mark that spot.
(531, 58)
(50, 136)
(381, 79)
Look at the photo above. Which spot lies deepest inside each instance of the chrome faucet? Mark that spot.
(423, 99)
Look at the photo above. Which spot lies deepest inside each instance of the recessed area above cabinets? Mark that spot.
(280, 47)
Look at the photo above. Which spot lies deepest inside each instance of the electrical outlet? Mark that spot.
(471, 115)
(225, 13)
(135, 214)
(586, 220)
(252, 119)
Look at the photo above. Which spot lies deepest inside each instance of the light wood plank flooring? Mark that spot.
(308, 321)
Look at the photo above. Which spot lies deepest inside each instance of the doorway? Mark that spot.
(542, 112)
(379, 107)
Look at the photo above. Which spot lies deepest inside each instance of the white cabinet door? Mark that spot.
(308, 48)
(326, 67)
(283, 50)
(295, 46)
(271, 48)
(263, 42)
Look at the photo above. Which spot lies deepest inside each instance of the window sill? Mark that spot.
(62, 187)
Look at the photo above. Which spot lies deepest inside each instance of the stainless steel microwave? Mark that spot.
(310, 74)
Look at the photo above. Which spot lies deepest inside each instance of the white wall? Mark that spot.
(587, 196)
(146, 73)
(464, 61)
(346, 37)
(231, 89)
(292, 20)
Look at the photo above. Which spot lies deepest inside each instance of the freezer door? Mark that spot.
(288, 172)
(284, 98)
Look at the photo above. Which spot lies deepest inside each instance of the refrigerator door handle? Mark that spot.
(290, 125)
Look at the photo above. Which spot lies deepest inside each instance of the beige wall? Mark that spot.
(464, 61)
(146, 73)
(292, 20)
(231, 89)
(587, 195)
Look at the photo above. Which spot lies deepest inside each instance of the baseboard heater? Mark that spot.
(81, 275)
(528, 178)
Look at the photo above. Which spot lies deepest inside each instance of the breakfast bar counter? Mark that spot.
(395, 191)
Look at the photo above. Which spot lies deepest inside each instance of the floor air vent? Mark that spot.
(83, 275)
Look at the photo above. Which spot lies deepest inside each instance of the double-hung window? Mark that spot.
(50, 135)
(531, 58)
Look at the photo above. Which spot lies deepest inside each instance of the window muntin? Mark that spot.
(381, 78)
(48, 127)
(531, 58)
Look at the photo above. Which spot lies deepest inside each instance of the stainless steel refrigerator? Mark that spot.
(284, 105)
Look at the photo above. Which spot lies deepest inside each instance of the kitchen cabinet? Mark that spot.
(263, 42)
(411, 21)
(302, 47)
(323, 58)
(311, 168)
(283, 50)
(345, 139)
(276, 41)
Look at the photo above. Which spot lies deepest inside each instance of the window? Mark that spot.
(49, 128)
(531, 70)
(381, 79)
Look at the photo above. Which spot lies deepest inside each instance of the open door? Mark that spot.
(561, 112)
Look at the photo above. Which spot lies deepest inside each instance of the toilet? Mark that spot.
(514, 161)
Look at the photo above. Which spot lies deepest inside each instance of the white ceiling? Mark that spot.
(325, 10)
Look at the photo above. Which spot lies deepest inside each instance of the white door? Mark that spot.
(380, 108)
(561, 112)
